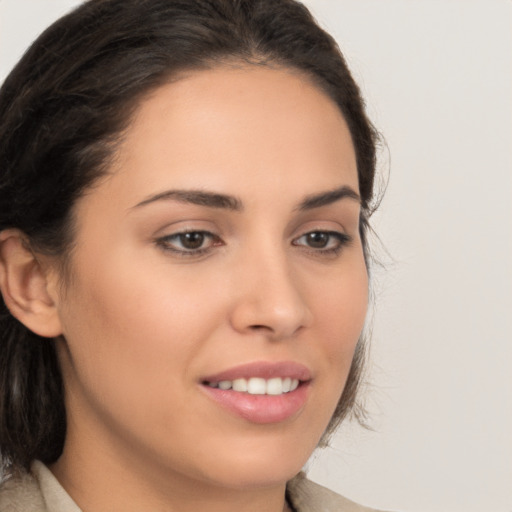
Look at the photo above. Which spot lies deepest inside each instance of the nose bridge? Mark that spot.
(270, 298)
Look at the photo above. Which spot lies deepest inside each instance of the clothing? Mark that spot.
(39, 491)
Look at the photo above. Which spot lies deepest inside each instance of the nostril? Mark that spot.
(260, 327)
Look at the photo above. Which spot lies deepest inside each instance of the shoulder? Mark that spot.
(307, 496)
(21, 494)
(37, 491)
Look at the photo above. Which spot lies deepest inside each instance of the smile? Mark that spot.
(258, 386)
(261, 392)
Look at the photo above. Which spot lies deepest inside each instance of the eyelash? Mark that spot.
(341, 240)
(166, 243)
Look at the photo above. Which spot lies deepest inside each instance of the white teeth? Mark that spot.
(275, 386)
(240, 385)
(258, 386)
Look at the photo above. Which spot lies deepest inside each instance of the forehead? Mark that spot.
(230, 127)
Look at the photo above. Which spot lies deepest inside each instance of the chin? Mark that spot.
(261, 464)
(263, 475)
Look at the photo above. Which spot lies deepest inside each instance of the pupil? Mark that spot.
(318, 240)
(192, 240)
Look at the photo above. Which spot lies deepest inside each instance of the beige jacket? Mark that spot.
(39, 491)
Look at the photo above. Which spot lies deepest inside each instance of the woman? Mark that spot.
(185, 195)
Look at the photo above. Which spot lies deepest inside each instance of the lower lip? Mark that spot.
(261, 408)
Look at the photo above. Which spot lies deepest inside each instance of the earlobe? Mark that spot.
(24, 285)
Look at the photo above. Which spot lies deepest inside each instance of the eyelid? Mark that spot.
(173, 242)
(164, 242)
(343, 239)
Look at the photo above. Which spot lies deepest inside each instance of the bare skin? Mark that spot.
(266, 276)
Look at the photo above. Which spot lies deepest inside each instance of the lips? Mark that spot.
(260, 392)
(258, 385)
(263, 370)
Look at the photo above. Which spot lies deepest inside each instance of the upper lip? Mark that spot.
(264, 370)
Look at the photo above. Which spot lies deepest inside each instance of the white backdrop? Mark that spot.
(438, 79)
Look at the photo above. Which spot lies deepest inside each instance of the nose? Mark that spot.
(269, 299)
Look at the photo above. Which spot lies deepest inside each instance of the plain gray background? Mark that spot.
(437, 75)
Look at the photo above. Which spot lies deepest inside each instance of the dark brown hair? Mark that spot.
(63, 108)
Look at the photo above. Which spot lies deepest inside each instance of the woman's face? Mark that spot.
(222, 250)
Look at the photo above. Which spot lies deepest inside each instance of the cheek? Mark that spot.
(340, 314)
(341, 306)
(133, 329)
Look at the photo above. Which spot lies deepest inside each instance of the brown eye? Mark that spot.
(192, 241)
(189, 243)
(317, 240)
(323, 242)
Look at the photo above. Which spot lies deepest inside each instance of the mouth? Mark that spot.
(261, 392)
(258, 386)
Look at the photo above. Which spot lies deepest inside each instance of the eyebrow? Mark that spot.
(329, 197)
(228, 202)
(199, 197)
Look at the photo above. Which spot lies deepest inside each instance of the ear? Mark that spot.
(24, 283)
